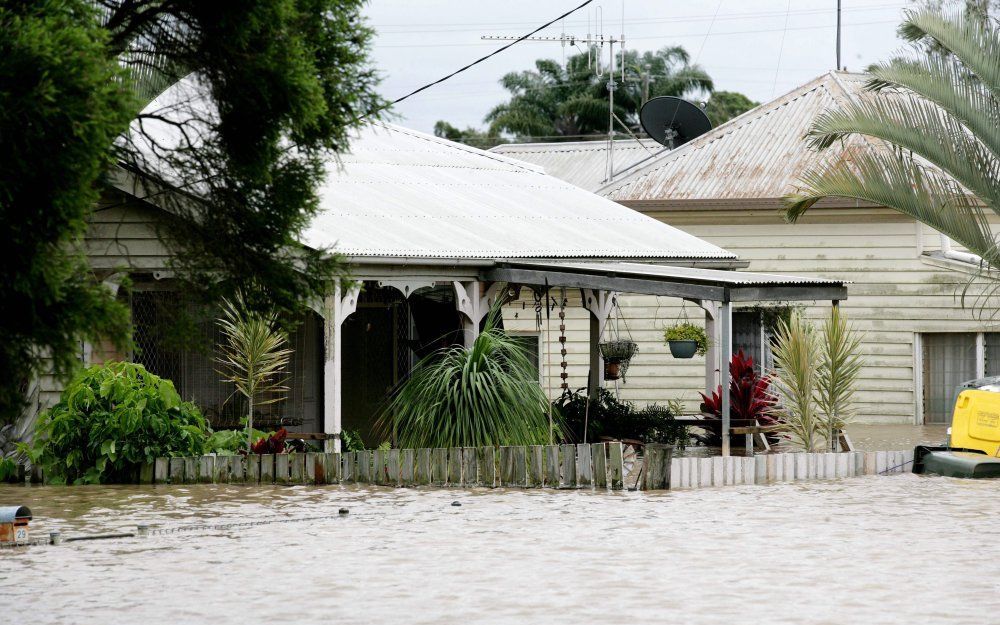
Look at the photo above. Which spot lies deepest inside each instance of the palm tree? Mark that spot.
(936, 119)
(571, 100)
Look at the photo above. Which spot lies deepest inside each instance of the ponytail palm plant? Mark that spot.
(938, 118)
(486, 394)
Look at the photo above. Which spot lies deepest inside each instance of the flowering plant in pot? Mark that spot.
(685, 340)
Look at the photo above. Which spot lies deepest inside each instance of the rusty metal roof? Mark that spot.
(583, 163)
(759, 154)
(403, 193)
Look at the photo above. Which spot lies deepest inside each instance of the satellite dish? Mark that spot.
(672, 121)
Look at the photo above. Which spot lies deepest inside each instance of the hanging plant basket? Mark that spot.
(617, 356)
(683, 349)
(685, 340)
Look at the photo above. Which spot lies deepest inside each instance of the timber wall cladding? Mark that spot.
(598, 465)
(893, 293)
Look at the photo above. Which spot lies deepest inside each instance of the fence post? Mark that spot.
(455, 466)
(470, 473)
(237, 468)
(567, 463)
(506, 466)
(297, 468)
(423, 470)
(536, 468)
(656, 463)
(161, 470)
(599, 461)
(439, 466)
(617, 466)
(487, 465)
(222, 469)
(584, 474)
(551, 476)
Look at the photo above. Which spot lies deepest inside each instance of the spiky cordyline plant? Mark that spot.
(794, 383)
(253, 356)
(837, 374)
(486, 394)
(937, 116)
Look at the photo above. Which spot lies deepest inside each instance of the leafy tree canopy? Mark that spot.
(469, 136)
(570, 101)
(725, 105)
(278, 84)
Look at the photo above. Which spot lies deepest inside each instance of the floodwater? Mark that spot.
(893, 549)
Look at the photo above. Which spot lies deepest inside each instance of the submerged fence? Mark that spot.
(785, 467)
(598, 465)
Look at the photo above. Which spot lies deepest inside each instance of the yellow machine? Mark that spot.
(974, 436)
(976, 421)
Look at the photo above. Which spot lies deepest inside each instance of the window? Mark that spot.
(531, 347)
(750, 336)
(949, 359)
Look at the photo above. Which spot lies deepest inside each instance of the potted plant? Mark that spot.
(685, 340)
(617, 354)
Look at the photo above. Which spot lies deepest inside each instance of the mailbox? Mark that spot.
(14, 524)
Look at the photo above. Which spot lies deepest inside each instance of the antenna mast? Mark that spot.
(591, 40)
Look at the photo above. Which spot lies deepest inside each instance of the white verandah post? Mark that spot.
(336, 308)
(473, 304)
(599, 303)
(726, 321)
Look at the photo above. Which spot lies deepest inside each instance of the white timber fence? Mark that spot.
(598, 466)
(785, 467)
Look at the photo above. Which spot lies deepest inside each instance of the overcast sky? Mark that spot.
(762, 48)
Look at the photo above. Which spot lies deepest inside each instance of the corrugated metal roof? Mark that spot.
(583, 163)
(402, 193)
(686, 274)
(760, 154)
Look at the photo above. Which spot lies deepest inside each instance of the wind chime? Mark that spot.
(564, 375)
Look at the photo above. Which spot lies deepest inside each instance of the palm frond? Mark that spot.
(921, 127)
(944, 81)
(897, 182)
(975, 42)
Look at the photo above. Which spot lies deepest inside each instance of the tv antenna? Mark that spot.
(592, 41)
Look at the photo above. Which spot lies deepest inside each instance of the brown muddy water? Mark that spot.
(895, 549)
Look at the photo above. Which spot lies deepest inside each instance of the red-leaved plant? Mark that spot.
(273, 444)
(750, 397)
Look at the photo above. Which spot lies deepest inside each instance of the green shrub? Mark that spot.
(110, 420)
(687, 332)
(611, 418)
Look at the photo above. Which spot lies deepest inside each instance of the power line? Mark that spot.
(422, 28)
(491, 54)
(675, 36)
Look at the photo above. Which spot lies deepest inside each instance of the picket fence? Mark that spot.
(598, 466)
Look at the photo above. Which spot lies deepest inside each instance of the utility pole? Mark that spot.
(838, 36)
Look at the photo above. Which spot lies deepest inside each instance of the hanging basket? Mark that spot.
(617, 356)
(683, 349)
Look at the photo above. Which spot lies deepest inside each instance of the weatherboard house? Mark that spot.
(434, 232)
(725, 187)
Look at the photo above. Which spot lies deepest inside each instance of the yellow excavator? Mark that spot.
(973, 448)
